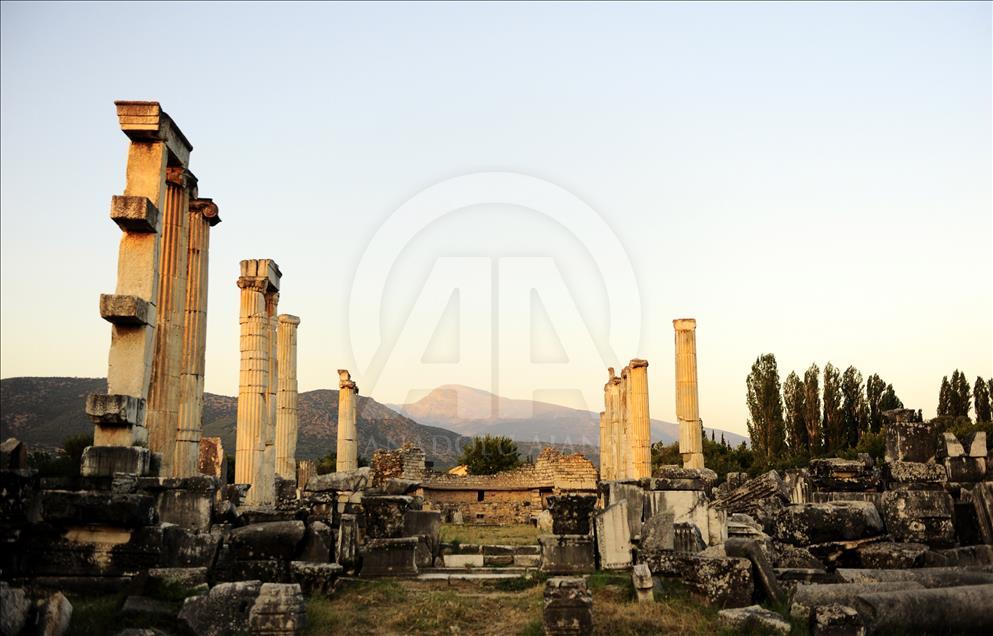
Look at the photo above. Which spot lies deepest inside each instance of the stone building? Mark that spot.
(513, 496)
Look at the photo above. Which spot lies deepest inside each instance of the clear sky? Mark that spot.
(812, 180)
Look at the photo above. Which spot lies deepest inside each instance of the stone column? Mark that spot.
(687, 402)
(163, 395)
(266, 467)
(605, 469)
(624, 467)
(348, 441)
(259, 283)
(641, 431)
(119, 415)
(286, 399)
(614, 423)
(203, 216)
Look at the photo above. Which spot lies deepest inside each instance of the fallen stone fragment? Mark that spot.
(928, 577)
(806, 524)
(571, 513)
(223, 610)
(749, 549)
(270, 539)
(390, 557)
(837, 620)
(568, 608)
(855, 475)
(278, 610)
(807, 596)
(657, 532)
(567, 553)
(315, 578)
(721, 582)
(887, 554)
(613, 536)
(641, 577)
(919, 516)
(963, 609)
(754, 618)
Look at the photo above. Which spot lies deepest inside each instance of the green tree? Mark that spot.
(812, 408)
(889, 400)
(853, 406)
(879, 397)
(490, 454)
(945, 398)
(796, 426)
(981, 395)
(833, 420)
(961, 395)
(765, 405)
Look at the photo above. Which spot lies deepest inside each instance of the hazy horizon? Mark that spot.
(516, 196)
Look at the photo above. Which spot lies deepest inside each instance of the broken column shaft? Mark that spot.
(286, 398)
(614, 430)
(687, 404)
(640, 429)
(348, 445)
(203, 216)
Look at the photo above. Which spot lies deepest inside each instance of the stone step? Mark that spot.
(449, 574)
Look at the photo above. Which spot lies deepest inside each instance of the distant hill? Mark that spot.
(44, 411)
(471, 411)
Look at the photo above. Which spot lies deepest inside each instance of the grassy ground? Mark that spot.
(504, 608)
(490, 535)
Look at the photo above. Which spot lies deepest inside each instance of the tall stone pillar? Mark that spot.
(605, 469)
(163, 396)
(203, 216)
(286, 398)
(641, 430)
(624, 462)
(614, 424)
(348, 440)
(266, 467)
(259, 283)
(119, 415)
(687, 401)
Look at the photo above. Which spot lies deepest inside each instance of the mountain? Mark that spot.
(471, 411)
(42, 412)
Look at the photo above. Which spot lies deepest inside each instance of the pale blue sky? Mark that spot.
(811, 179)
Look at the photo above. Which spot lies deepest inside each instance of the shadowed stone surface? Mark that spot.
(390, 557)
(571, 513)
(805, 524)
(754, 618)
(567, 553)
(963, 609)
(568, 607)
(920, 516)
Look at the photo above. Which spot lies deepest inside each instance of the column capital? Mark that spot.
(263, 268)
(288, 319)
(207, 208)
(182, 177)
(684, 324)
(637, 363)
(145, 122)
(260, 285)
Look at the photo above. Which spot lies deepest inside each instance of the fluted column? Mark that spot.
(348, 444)
(265, 467)
(605, 469)
(259, 283)
(119, 415)
(614, 425)
(203, 216)
(687, 401)
(286, 399)
(624, 461)
(641, 431)
(163, 397)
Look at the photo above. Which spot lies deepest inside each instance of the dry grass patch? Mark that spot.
(490, 535)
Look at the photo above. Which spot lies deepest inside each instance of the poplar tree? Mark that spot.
(796, 426)
(765, 406)
(874, 387)
(812, 408)
(961, 395)
(853, 406)
(981, 395)
(945, 398)
(833, 419)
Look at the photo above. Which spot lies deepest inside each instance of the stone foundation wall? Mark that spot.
(497, 507)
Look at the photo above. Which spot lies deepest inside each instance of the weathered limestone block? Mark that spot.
(125, 310)
(633, 494)
(390, 557)
(315, 578)
(463, 560)
(920, 516)
(349, 481)
(222, 611)
(750, 549)
(317, 543)
(210, 460)
(686, 537)
(68, 508)
(571, 513)
(982, 500)
(785, 555)
(966, 556)
(873, 497)
(613, 536)
(797, 482)
(54, 615)
(722, 582)
(272, 539)
(14, 608)
(658, 532)
(567, 553)
(425, 524)
(845, 475)
(686, 506)
(928, 577)
(760, 498)
(754, 618)
(911, 442)
(13, 455)
(346, 547)
(568, 608)
(806, 524)
(837, 620)
(105, 461)
(348, 441)
(134, 214)
(887, 554)
(973, 445)
(184, 577)
(182, 548)
(278, 610)
(914, 475)
(641, 578)
(965, 469)
(964, 609)
(384, 515)
(115, 410)
(807, 597)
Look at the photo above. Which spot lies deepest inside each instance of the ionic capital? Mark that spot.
(206, 208)
(684, 324)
